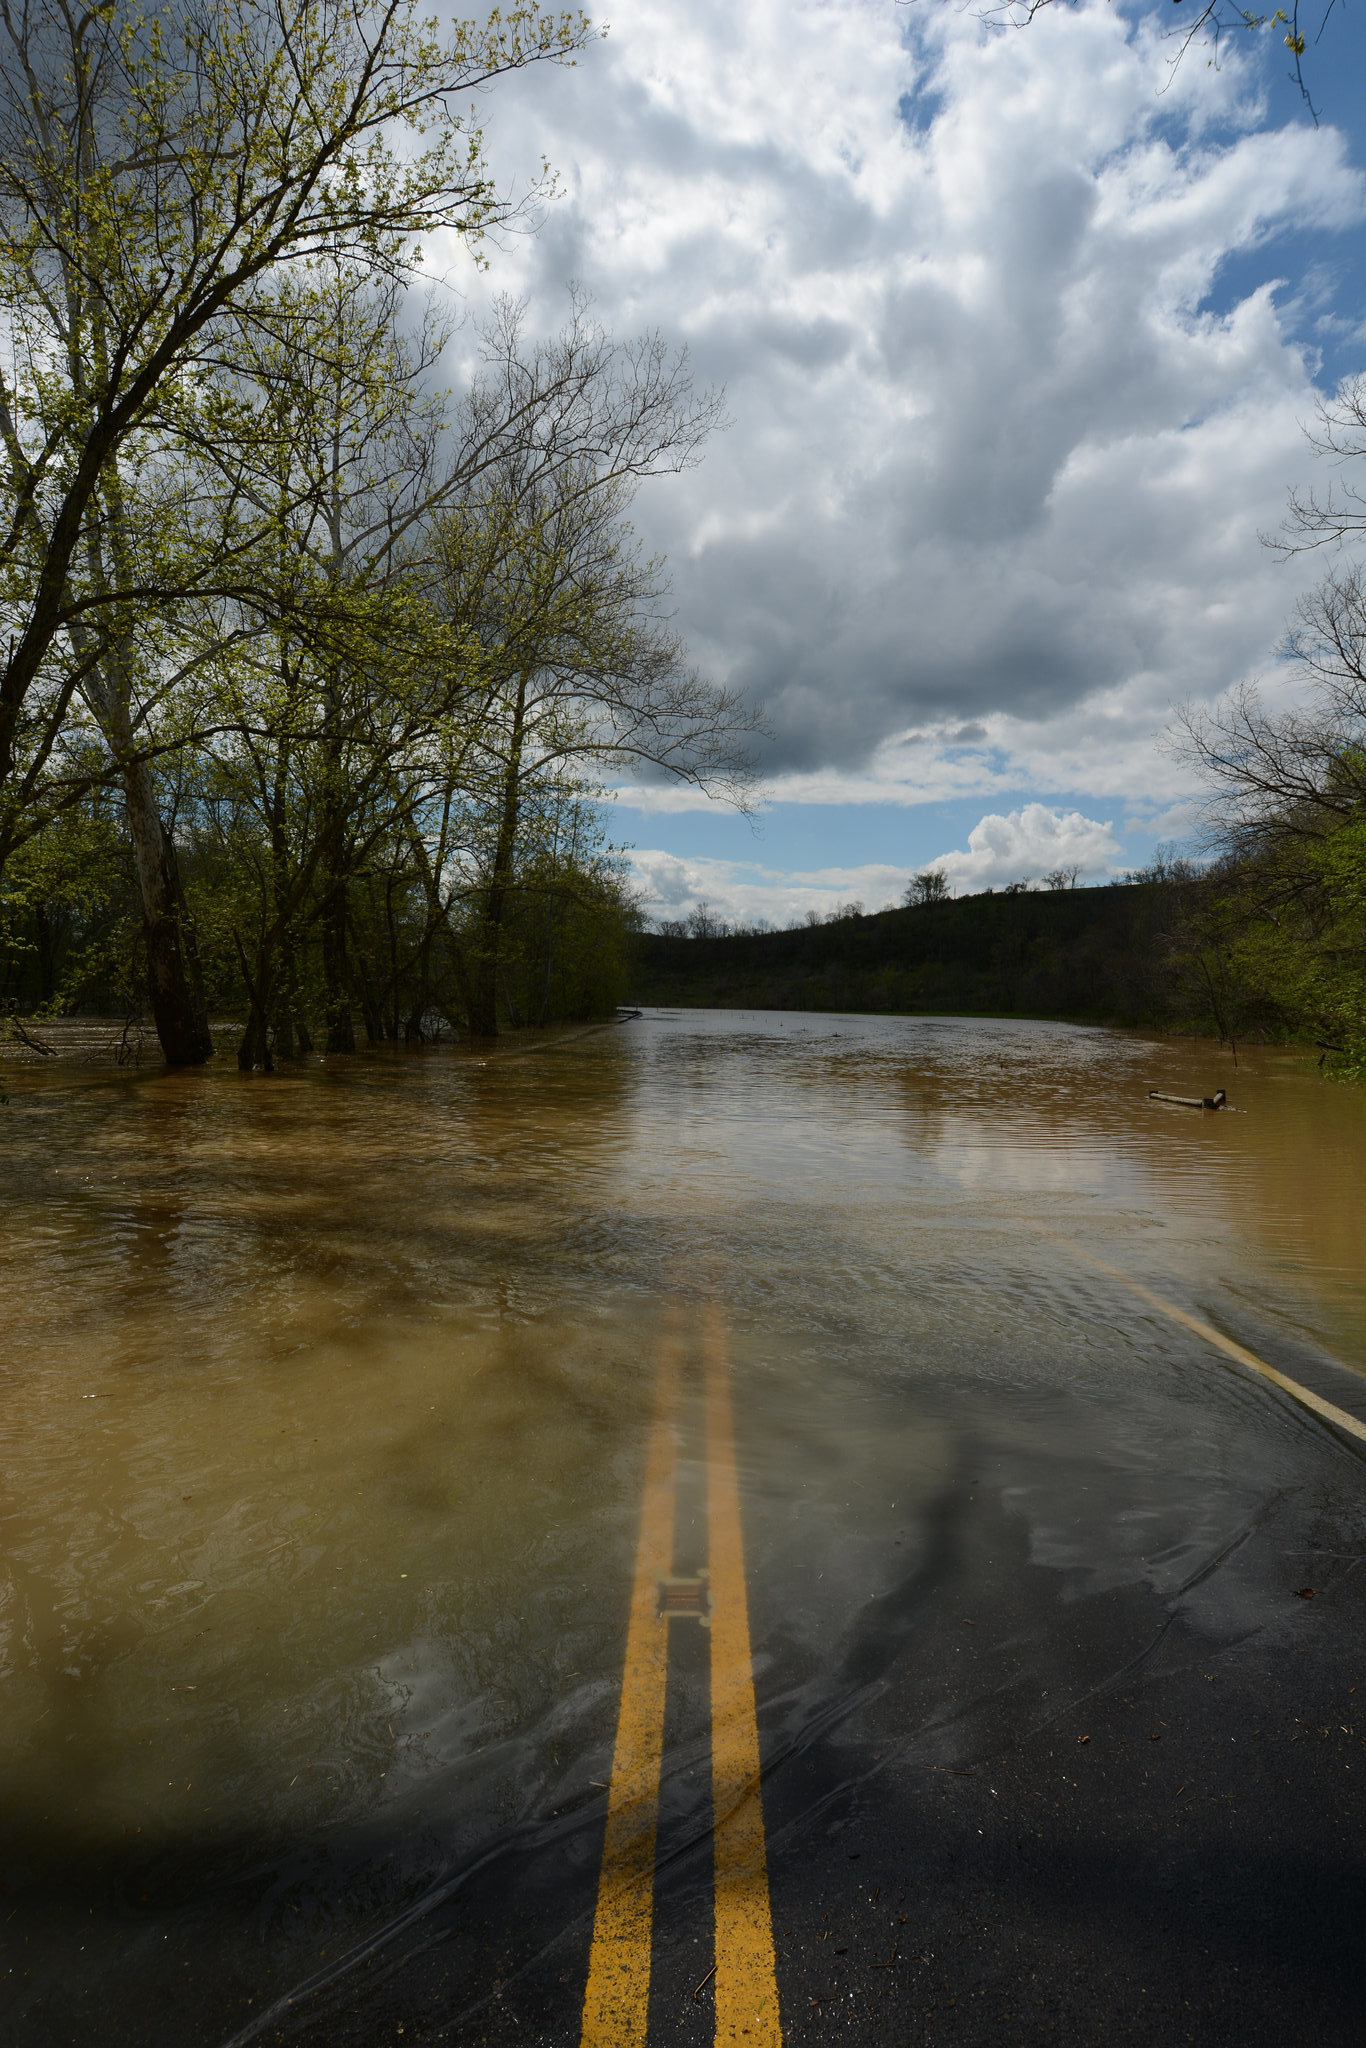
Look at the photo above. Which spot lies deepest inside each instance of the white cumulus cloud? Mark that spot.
(1026, 844)
(743, 891)
(1020, 845)
(996, 462)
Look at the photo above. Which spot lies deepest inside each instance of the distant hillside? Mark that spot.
(1090, 955)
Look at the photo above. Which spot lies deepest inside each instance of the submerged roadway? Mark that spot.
(867, 1549)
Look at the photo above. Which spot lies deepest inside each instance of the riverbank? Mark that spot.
(132, 1042)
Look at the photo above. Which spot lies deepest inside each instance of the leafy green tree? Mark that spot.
(553, 628)
(379, 701)
(1285, 904)
(931, 886)
(68, 921)
(585, 672)
(155, 168)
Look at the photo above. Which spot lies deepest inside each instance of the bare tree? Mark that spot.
(1276, 776)
(702, 922)
(1210, 23)
(563, 622)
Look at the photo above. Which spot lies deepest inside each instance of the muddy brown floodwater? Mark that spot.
(325, 1405)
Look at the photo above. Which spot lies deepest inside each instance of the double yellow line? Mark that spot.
(617, 2000)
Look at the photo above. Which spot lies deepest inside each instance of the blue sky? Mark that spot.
(1017, 347)
(1325, 270)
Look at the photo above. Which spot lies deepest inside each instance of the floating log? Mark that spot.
(1215, 1101)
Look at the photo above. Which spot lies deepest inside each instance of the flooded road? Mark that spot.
(337, 1497)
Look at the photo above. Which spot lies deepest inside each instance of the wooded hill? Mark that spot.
(1091, 955)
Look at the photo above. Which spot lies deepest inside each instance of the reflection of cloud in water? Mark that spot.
(981, 1162)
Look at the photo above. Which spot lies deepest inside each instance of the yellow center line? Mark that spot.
(617, 1999)
(1337, 1416)
(746, 1984)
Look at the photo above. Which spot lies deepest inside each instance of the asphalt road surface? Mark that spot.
(762, 1530)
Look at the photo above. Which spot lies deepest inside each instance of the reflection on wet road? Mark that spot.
(429, 1487)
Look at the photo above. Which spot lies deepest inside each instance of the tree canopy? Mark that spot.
(313, 669)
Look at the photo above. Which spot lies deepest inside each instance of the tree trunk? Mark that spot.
(283, 1004)
(177, 990)
(392, 1023)
(176, 985)
(254, 1052)
(410, 1028)
(284, 1030)
(293, 997)
(484, 967)
(341, 1031)
(47, 953)
(371, 1008)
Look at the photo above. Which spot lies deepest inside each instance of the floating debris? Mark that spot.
(1216, 1101)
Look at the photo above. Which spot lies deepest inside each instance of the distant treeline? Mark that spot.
(1093, 954)
(1175, 949)
(1262, 936)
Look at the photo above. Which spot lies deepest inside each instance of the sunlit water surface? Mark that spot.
(324, 1397)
